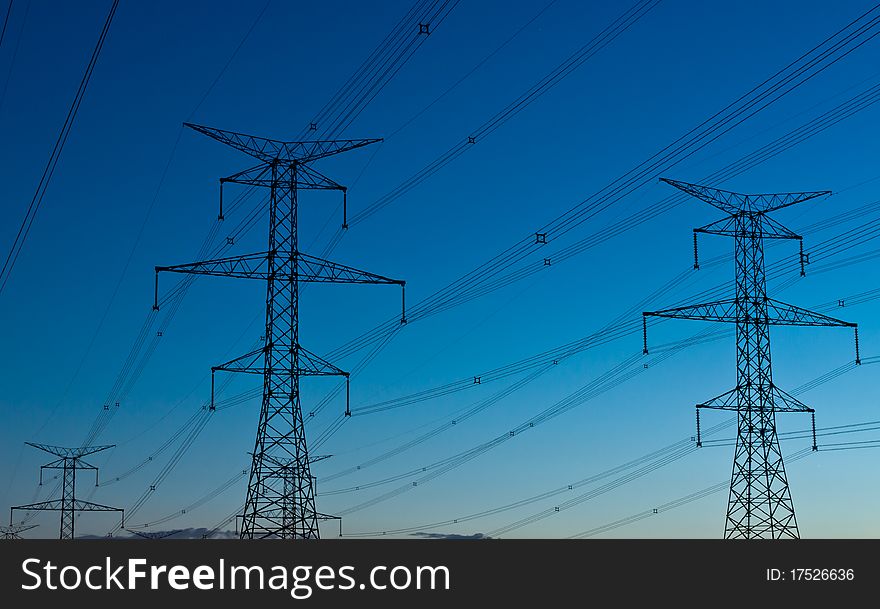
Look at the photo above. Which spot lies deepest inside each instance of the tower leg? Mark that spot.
(760, 504)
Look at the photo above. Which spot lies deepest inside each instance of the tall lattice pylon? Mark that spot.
(70, 460)
(760, 504)
(280, 499)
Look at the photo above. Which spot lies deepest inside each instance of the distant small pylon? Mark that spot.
(14, 531)
(69, 460)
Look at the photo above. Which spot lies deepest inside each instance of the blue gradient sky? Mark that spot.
(679, 65)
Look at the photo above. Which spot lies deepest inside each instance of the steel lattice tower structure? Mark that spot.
(14, 531)
(70, 460)
(280, 498)
(759, 504)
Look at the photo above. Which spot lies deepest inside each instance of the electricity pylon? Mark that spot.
(759, 504)
(69, 460)
(280, 499)
(14, 531)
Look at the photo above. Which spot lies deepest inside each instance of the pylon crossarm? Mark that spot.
(249, 363)
(726, 227)
(772, 229)
(719, 310)
(52, 505)
(729, 227)
(725, 401)
(259, 175)
(88, 506)
(785, 402)
(321, 516)
(268, 150)
(734, 202)
(308, 178)
(783, 314)
(312, 365)
(247, 266)
(318, 270)
(56, 464)
(255, 266)
(70, 453)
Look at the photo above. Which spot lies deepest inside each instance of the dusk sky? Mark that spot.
(135, 189)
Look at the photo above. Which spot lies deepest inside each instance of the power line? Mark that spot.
(5, 23)
(807, 66)
(49, 170)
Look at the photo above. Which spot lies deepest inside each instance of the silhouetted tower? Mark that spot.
(14, 531)
(280, 500)
(760, 504)
(70, 460)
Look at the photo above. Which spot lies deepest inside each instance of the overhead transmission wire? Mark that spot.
(61, 140)
(379, 68)
(376, 71)
(628, 472)
(671, 449)
(204, 499)
(132, 367)
(820, 126)
(195, 418)
(27, 10)
(186, 436)
(471, 72)
(605, 37)
(712, 128)
(785, 142)
(55, 155)
(842, 111)
(775, 270)
(612, 378)
(705, 492)
(467, 383)
(562, 406)
(582, 498)
(723, 119)
(431, 104)
(153, 201)
(542, 363)
(675, 503)
(620, 25)
(805, 387)
(5, 23)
